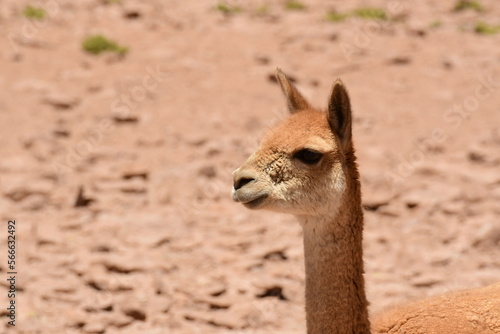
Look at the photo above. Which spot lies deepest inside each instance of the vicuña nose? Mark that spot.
(243, 178)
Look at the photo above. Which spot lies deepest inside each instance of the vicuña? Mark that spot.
(306, 166)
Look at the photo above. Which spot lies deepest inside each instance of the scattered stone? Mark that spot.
(208, 171)
(102, 281)
(135, 313)
(418, 32)
(125, 118)
(231, 320)
(333, 36)
(94, 327)
(277, 255)
(60, 101)
(16, 57)
(376, 197)
(426, 280)
(97, 306)
(140, 174)
(440, 258)
(450, 62)
(373, 206)
(134, 186)
(217, 290)
(411, 205)
(81, 199)
(417, 27)
(122, 264)
(132, 14)
(477, 155)
(63, 133)
(400, 60)
(262, 59)
(273, 291)
(314, 83)
(46, 234)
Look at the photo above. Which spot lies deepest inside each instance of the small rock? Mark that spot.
(417, 27)
(125, 118)
(275, 291)
(426, 280)
(94, 327)
(450, 62)
(476, 157)
(134, 186)
(262, 59)
(132, 14)
(81, 199)
(61, 132)
(122, 265)
(60, 101)
(277, 255)
(102, 281)
(400, 60)
(135, 313)
(132, 174)
(208, 171)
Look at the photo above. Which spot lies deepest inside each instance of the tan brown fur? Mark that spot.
(284, 175)
(469, 311)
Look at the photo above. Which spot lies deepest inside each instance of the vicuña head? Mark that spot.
(306, 166)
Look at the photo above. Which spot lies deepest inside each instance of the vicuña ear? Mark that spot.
(340, 115)
(295, 100)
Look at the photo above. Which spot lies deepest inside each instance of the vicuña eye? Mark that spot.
(309, 157)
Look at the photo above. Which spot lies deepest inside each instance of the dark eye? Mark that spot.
(308, 156)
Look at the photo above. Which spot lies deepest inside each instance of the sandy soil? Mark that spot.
(154, 243)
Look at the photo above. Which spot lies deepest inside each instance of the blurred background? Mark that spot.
(121, 122)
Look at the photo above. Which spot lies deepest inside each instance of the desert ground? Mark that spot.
(117, 166)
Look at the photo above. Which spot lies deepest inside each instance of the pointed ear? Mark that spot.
(340, 115)
(295, 100)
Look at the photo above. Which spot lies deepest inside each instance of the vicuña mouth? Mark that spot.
(252, 204)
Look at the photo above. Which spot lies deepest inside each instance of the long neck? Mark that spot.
(335, 289)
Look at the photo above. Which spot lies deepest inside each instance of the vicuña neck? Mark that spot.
(335, 289)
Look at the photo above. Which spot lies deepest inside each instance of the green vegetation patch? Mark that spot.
(262, 10)
(98, 43)
(371, 13)
(34, 13)
(295, 5)
(484, 28)
(462, 5)
(227, 9)
(436, 24)
(336, 17)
